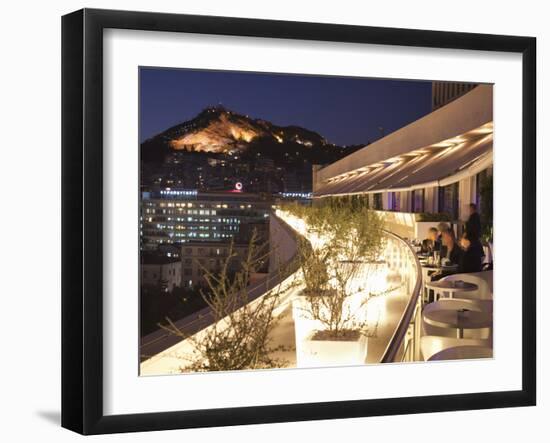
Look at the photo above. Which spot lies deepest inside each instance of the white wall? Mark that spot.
(30, 327)
(281, 242)
(466, 195)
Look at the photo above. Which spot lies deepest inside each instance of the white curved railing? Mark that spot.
(403, 342)
(160, 340)
(400, 337)
(403, 264)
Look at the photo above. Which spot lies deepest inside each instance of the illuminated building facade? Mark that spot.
(446, 92)
(177, 216)
(200, 256)
(436, 164)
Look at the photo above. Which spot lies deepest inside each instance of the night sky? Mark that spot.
(342, 109)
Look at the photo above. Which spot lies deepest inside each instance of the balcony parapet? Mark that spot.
(161, 341)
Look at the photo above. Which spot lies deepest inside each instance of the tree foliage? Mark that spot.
(239, 336)
(352, 242)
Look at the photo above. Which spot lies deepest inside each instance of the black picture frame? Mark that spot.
(82, 253)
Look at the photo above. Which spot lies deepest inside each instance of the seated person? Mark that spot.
(450, 251)
(472, 258)
(441, 227)
(429, 244)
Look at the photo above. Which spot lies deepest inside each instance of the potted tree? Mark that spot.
(315, 278)
(341, 274)
(239, 331)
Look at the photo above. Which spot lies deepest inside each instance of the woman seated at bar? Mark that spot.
(472, 257)
(450, 251)
(441, 227)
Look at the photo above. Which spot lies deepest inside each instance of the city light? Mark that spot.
(179, 192)
(304, 195)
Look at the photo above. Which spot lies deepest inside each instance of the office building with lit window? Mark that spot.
(199, 257)
(178, 216)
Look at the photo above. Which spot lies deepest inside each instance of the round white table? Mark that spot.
(451, 286)
(463, 353)
(459, 319)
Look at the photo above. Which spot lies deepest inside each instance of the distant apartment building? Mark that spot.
(159, 270)
(174, 216)
(446, 92)
(199, 257)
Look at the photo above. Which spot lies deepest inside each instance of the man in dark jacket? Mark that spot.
(472, 258)
(473, 224)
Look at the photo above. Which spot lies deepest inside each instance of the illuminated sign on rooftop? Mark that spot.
(306, 195)
(182, 192)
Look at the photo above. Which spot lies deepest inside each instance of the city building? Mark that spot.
(177, 216)
(160, 270)
(436, 164)
(198, 257)
(446, 92)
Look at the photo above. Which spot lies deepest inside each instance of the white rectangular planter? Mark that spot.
(318, 353)
(304, 325)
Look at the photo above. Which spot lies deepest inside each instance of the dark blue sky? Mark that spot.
(342, 109)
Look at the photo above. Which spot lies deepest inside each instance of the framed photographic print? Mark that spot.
(269, 221)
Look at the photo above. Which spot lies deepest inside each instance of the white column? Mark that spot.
(385, 201)
(431, 199)
(466, 195)
(315, 175)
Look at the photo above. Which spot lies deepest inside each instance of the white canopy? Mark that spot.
(447, 161)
